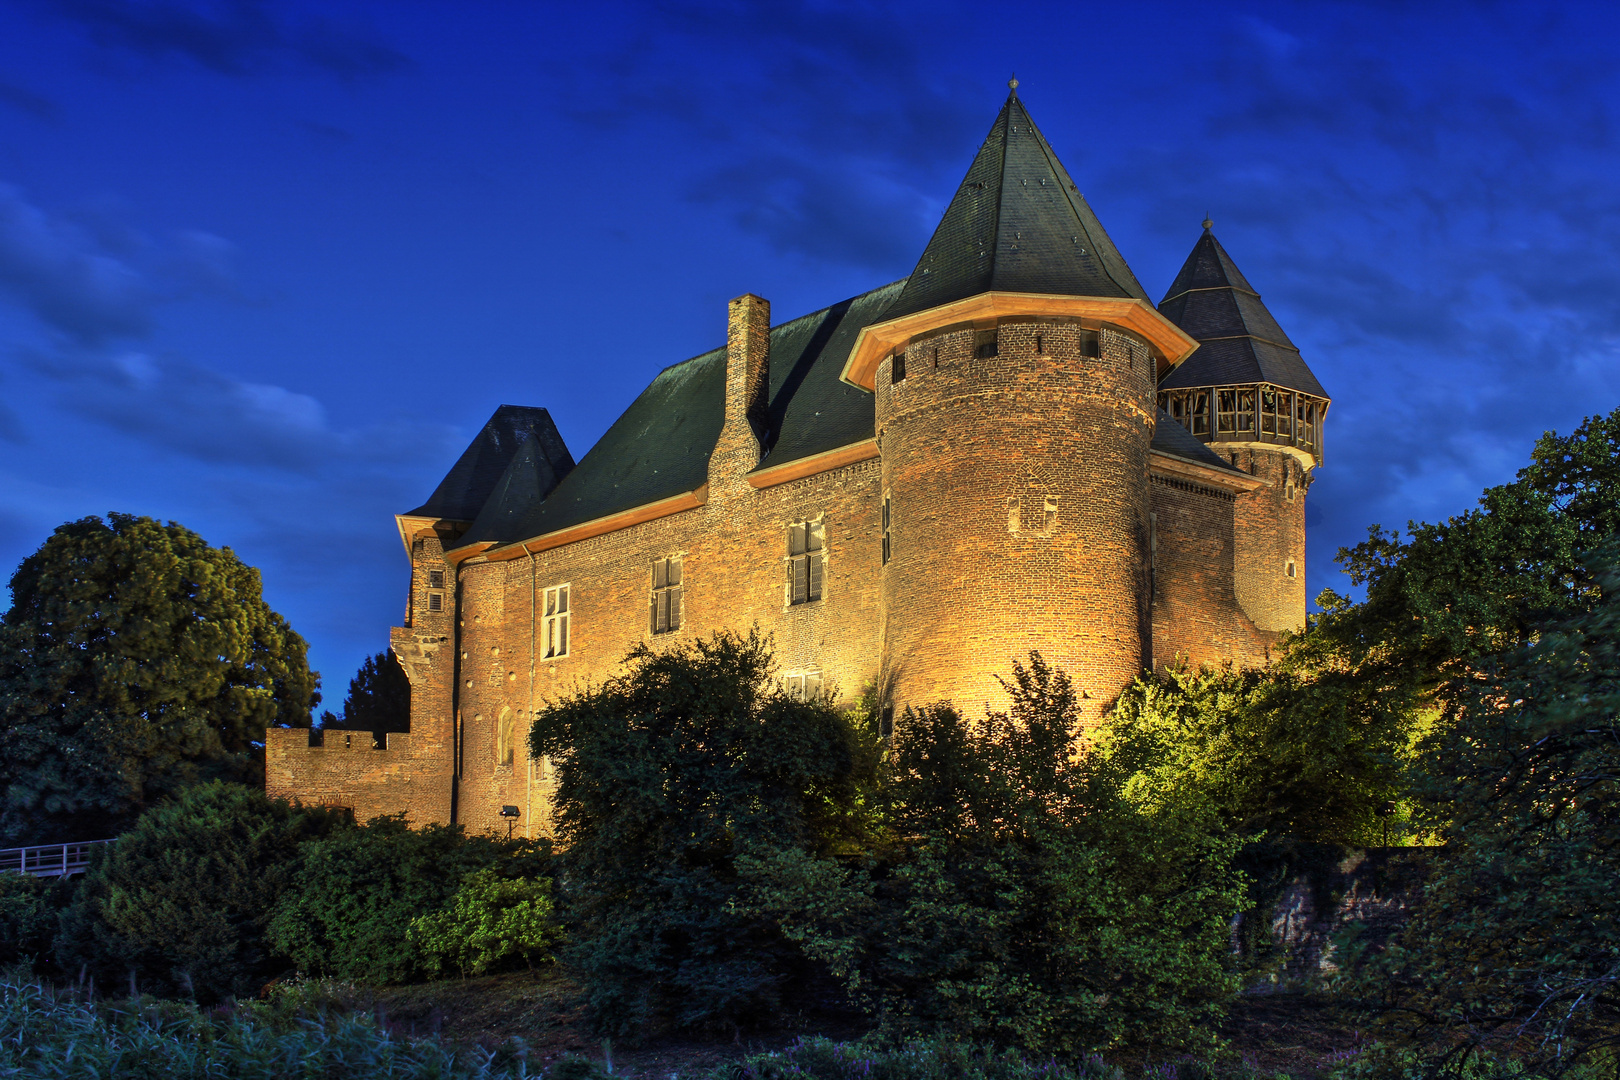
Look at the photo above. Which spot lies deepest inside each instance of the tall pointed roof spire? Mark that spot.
(1240, 342)
(1016, 224)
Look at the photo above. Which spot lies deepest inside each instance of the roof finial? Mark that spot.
(1208, 224)
(1012, 85)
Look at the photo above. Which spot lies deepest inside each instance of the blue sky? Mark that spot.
(265, 268)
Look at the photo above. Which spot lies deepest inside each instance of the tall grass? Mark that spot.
(50, 1033)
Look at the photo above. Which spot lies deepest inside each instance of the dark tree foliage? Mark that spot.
(135, 661)
(29, 909)
(665, 776)
(351, 896)
(1450, 594)
(1023, 900)
(379, 698)
(1517, 944)
(182, 899)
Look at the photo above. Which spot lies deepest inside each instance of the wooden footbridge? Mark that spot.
(49, 860)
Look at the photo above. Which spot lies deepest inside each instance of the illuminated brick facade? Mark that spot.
(908, 491)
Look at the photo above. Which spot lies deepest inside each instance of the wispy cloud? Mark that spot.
(230, 37)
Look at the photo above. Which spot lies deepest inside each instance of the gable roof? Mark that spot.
(659, 448)
(1017, 223)
(467, 486)
(1240, 342)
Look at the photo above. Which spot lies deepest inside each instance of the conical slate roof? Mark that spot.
(1239, 340)
(467, 486)
(1017, 224)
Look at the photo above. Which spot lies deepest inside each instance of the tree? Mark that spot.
(182, 899)
(1517, 943)
(1023, 900)
(379, 698)
(666, 776)
(135, 661)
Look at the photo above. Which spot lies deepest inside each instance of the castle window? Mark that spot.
(886, 547)
(984, 344)
(1290, 569)
(886, 722)
(804, 562)
(897, 367)
(505, 737)
(435, 579)
(803, 685)
(665, 614)
(554, 631)
(1090, 344)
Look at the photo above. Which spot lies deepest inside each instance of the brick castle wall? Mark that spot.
(1271, 537)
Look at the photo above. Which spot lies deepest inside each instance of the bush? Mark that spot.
(491, 922)
(29, 908)
(181, 901)
(668, 775)
(353, 894)
(46, 1034)
(1030, 904)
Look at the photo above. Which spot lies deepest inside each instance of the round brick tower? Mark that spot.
(1014, 377)
(1015, 471)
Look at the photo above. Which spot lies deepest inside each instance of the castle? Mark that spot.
(1010, 449)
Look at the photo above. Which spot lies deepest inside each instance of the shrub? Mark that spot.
(666, 776)
(353, 894)
(491, 922)
(181, 901)
(29, 908)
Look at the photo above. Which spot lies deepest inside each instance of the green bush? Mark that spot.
(47, 1034)
(491, 922)
(666, 775)
(351, 898)
(181, 901)
(1030, 904)
(29, 909)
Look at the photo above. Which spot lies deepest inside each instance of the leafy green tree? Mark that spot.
(1026, 901)
(379, 698)
(135, 661)
(1517, 943)
(350, 900)
(491, 922)
(29, 908)
(182, 899)
(1449, 595)
(666, 776)
(1286, 752)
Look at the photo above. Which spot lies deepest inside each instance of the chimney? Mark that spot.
(748, 379)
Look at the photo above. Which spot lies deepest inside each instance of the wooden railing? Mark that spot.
(49, 860)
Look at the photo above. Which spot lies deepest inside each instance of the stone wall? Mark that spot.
(1271, 540)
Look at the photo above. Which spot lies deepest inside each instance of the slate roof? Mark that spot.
(467, 486)
(1017, 224)
(660, 447)
(1169, 437)
(1239, 340)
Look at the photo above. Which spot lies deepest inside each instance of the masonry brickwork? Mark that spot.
(999, 477)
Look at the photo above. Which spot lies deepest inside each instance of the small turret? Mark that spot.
(1247, 393)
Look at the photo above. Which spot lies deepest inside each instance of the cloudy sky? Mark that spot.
(266, 267)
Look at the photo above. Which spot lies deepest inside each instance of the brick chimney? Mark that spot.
(748, 379)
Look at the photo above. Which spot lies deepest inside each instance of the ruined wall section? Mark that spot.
(1197, 620)
(1270, 535)
(413, 772)
(1016, 466)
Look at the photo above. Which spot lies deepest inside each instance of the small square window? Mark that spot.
(803, 685)
(1090, 344)
(435, 601)
(435, 579)
(985, 345)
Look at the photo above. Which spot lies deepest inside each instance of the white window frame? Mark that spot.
(556, 623)
(667, 598)
(803, 685)
(811, 536)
